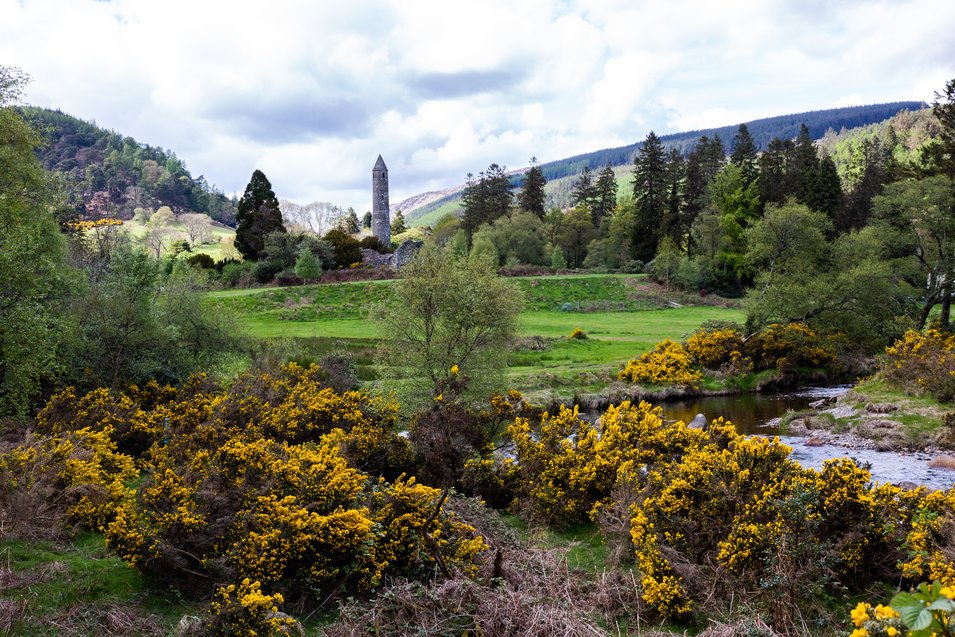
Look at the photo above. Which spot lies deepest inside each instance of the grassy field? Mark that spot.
(622, 315)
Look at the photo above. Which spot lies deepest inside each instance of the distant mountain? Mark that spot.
(108, 174)
(762, 130)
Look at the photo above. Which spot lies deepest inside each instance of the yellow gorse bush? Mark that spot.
(711, 349)
(266, 481)
(243, 610)
(923, 363)
(78, 473)
(717, 499)
(668, 363)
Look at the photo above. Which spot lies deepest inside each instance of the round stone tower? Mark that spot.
(380, 213)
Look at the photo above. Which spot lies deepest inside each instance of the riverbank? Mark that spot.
(875, 415)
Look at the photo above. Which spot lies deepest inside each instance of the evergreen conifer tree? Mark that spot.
(744, 155)
(583, 188)
(352, 224)
(649, 192)
(398, 224)
(825, 192)
(805, 163)
(531, 197)
(673, 224)
(605, 196)
(366, 220)
(258, 215)
(307, 265)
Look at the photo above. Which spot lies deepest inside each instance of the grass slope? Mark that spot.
(622, 315)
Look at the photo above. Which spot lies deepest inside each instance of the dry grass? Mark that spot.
(84, 620)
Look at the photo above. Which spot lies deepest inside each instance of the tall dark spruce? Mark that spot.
(258, 215)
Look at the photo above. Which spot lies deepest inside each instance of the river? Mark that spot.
(752, 412)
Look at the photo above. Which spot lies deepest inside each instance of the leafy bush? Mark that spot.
(201, 260)
(578, 334)
(347, 248)
(243, 609)
(371, 242)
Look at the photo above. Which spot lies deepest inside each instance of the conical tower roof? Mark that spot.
(380, 164)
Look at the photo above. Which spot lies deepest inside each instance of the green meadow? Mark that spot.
(621, 315)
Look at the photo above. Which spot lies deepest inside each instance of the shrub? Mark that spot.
(347, 249)
(712, 349)
(201, 260)
(667, 364)
(267, 481)
(784, 347)
(371, 242)
(568, 467)
(288, 279)
(264, 271)
(49, 484)
(578, 334)
(923, 363)
(237, 274)
(244, 610)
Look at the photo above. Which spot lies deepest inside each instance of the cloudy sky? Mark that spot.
(311, 91)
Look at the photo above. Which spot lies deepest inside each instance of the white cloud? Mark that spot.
(312, 92)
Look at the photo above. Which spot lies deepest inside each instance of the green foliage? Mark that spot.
(486, 199)
(844, 285)
(482, 248)
(575, 234)
(518, 236)
(308, 266)
(37, 284)
(398, 223)
(450, 323)
(666, 262)
(257, 215)
(138, 324)
(744, 155)
(914, 219)
(346, 247)
(557, 260)
(927, 611)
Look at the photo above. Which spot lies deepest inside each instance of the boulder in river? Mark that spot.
(698, 422)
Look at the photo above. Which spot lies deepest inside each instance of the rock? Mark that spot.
(797, 427)
(814, 441)
(189, 626)
(698, 422)
(406, 252)
(881, 408)
(908, 486)
(943, 462)
(375, 259)
(399, 259)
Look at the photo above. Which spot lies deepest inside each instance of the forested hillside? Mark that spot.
(762, 130)
(104, 173)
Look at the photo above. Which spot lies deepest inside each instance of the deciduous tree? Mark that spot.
(449, 326)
